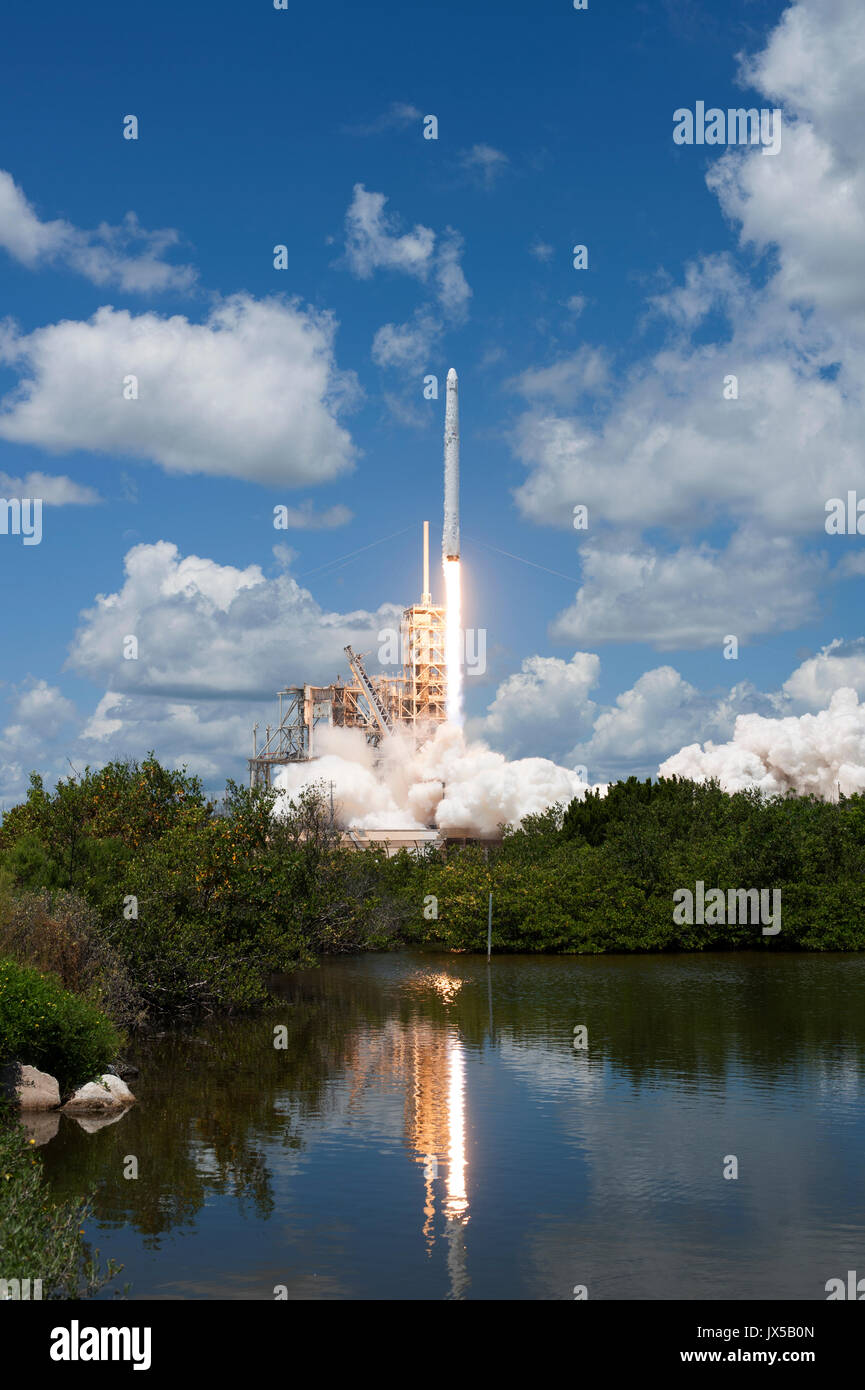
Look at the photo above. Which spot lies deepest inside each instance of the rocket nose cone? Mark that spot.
(452, 376)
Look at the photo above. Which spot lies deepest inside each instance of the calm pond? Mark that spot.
(430, 1131)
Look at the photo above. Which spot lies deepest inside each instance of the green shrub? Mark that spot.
(61, 934)
(44, 1026)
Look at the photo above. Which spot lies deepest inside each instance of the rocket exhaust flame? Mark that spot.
(453, 641)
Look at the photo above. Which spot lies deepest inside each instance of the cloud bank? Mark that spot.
(818, 754)
(253, 392)
(670, 456)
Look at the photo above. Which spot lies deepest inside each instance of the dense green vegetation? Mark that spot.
(40, 1238)
(600, 874)
(44, 1025)
(144, 897)
(137, 891)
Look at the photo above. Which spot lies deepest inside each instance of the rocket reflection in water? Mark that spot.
(430, 1062)
(436, 1127)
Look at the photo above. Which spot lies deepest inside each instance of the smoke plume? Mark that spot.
(460, 786)
(817, 753)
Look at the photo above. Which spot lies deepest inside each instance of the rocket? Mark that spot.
(451, 529)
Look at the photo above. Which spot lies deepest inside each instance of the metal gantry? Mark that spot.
(377, 706)
(414, 700)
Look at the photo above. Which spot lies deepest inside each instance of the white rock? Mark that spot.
(108, 1093)
(29, 1088)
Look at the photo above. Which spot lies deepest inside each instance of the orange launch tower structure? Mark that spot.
(414, 700)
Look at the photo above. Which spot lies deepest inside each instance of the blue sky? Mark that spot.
(303, 386)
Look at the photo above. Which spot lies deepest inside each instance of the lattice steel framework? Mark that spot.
(415, 700)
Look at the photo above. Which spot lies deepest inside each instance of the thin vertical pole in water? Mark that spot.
(490, 930)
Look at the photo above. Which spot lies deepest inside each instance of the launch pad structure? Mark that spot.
(412, 701)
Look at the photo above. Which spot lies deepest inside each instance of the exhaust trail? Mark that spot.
(451, 552)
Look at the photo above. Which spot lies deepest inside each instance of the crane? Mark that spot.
(377, 708)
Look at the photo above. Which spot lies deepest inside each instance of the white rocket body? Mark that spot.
(451, 529)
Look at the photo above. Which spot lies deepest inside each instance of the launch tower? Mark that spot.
(414, 700)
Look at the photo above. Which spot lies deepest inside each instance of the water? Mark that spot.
(431, 1132)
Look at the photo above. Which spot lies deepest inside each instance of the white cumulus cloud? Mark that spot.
(814, 682)
(373, 241)
(208, 631)
(253, 392)
(691, 597)
(127, 255)
(54, 489)
(747, 428)
(545, 705)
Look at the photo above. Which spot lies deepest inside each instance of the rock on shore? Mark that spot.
(29, 1088)
(108, 1093)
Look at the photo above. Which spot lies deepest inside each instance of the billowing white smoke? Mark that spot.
(817, 753)
(460, 786)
